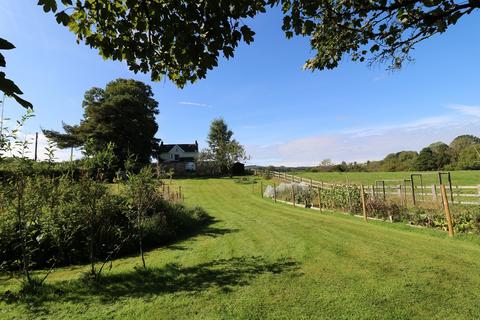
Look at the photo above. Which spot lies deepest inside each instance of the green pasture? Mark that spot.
(265, 260)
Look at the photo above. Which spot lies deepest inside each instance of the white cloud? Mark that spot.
(369, 143)
(467, 110)
(195, 104)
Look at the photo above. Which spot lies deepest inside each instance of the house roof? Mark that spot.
(186, 147)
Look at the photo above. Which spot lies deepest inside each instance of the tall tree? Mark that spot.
(425, 160)
(222, 149)
(469, 158)
(443, 154)
(123, 114)
(462, 142)
(183, 39)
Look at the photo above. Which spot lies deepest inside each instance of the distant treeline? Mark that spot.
(463, 153)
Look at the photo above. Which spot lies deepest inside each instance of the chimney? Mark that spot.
(196, 143)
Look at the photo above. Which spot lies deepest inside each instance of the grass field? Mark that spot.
(262, 260)
(461, 178)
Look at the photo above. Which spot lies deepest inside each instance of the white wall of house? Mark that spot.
(177, 151)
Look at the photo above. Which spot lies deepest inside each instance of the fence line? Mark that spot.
(467, 195)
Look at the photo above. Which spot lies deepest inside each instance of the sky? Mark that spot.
(281, 113)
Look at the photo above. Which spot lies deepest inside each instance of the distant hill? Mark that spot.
(463, 153)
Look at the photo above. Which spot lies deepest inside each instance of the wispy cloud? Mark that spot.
(467, 110)
(370, 143)
(195, 104)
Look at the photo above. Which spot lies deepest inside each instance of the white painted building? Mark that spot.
(186, 153)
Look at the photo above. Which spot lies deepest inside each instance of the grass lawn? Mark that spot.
(262, 260)
(461, 178)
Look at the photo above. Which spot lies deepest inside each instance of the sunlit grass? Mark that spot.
(262, 260)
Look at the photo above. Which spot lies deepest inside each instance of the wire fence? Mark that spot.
(408, 192)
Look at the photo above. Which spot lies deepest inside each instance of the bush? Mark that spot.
(60, 211)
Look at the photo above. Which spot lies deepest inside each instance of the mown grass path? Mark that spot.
(262, 260)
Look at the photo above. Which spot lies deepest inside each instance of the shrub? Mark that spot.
(61, 211)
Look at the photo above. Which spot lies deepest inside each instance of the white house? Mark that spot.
(186, 153)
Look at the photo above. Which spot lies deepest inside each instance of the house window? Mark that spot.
(177, 157)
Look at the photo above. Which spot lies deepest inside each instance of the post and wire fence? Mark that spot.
(418, 205)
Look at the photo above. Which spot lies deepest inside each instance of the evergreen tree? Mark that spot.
(123, 114)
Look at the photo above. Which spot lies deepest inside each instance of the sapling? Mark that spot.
(142, 192)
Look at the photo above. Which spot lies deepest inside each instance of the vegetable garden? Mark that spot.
(380, 202)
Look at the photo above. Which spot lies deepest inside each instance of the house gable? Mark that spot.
(178, 152)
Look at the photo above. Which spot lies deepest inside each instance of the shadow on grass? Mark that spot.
(221, 274)
(206, 230)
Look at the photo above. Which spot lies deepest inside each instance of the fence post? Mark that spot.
(447, 210)
(364, 205)
(384, 194)
(293, 194)
(179, 193)
(400, 190)
(319, 199)
(413, 192)
(274, 192)
(261, 188)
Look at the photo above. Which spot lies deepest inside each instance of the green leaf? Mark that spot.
(62, 18)
(3, 63)
(22, 102)
(5, 45)
(48, 5)
(431, 3)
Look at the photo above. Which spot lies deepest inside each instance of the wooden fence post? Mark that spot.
(274, 192)
(413, 193)
(261, 188)
(179, 193)
(364, 205)
(319, 198)
(384, 193)
(293, 194)
(447, 210)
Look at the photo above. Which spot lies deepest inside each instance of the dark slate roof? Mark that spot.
(185, 147)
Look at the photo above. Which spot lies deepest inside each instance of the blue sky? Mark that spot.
(281, 113)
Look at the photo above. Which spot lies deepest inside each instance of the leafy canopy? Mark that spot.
(123, 114)
(183, 39)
